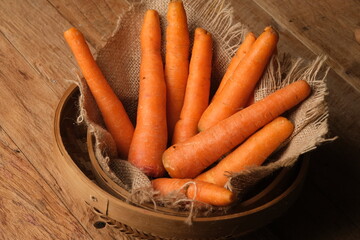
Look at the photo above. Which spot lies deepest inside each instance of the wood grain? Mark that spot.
(96, 19)
(35, 29)
(28, 203)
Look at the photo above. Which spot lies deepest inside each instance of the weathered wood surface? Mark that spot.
(29, 209)
(34, 72)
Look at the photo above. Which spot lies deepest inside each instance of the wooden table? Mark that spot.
(36, 64)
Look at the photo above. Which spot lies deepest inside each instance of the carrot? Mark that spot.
(210, 193)
(168, 186)
(239, 55)
(253, 152)
(176, 61)
(189, 158)
(197, 89)
(115, 117)
(197, 190)
(235, 94)
(150, 136)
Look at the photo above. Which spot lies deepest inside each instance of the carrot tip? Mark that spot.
(201, 31)
(175, 1)
(152, 11)
(270, 29)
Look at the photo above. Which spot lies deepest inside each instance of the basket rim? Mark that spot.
(137, 209)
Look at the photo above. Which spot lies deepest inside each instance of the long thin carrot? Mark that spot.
(197, 89)
(176, 61)
(197, 190)
(150, 136)
(115, 117)
(189, 158)
(239, 55)
(235, 94)
(253, 152)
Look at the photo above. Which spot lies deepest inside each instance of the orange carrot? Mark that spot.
(197, 89)
(189, 158)
(235, 94)
(167, 186)
(115, 117)
(253, 152)
(197, 190)
(150, 136)
(176, 61)
(210, 193)
(239, 55)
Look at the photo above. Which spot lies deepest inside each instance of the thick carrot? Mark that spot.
(235, 94)
(176, 61)
(115, 117)
(253, 152)
(197, 190)
(197, 89)
(189, 158)
(150, 136)
(239, 55)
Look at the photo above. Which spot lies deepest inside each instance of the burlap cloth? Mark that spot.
(119, 60)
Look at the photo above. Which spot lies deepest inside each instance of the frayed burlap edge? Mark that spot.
(177, 201)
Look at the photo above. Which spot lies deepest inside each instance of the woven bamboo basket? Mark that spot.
(267, 201)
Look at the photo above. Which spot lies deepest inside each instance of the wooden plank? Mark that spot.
(256, 19)
(31, 128)
(35, 29)
(309, 21)
(28, 203)
(96, 19)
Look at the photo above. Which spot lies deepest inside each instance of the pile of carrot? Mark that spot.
(180, 135)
